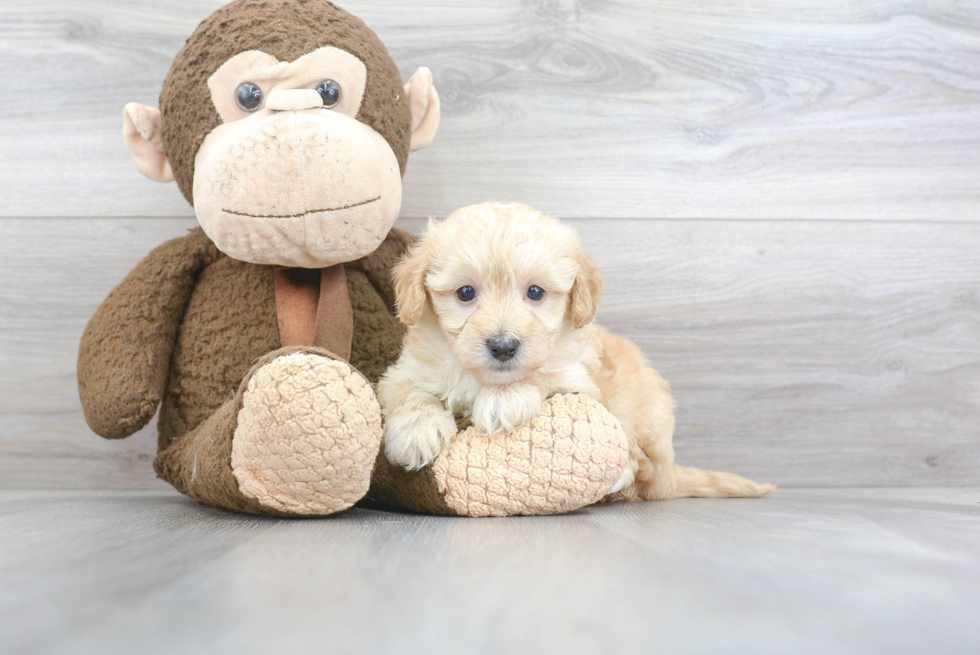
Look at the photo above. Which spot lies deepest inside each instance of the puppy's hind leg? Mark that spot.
(641, 400)
(657, 476)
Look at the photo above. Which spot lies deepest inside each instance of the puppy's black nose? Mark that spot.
(503, 348)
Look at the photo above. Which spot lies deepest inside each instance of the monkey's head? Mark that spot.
(286, 125)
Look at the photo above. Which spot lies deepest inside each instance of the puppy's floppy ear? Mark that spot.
(583, 299)
(410, 283)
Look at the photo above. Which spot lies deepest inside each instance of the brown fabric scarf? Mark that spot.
(314, 309)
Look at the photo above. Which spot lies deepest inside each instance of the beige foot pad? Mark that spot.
(307, 437)
(568, 457)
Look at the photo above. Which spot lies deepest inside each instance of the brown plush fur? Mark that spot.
(417, 491)
(208, 318)
(121, 380)
(199, 463)
(231, 321)
(301, 26)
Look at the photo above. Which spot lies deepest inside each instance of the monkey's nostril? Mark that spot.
(503, 348)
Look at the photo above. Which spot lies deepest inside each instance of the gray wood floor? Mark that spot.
(804, 571)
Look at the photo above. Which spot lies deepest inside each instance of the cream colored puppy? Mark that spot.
(499, 300)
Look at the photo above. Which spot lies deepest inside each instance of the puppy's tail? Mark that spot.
(698, 483)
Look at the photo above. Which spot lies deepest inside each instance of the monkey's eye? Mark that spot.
(330, 92)
(466, 294)
(534, 292)
(249, 96)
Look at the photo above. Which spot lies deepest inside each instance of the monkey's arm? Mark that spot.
(124, 354)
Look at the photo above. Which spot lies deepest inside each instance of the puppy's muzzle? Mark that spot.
(503, 348)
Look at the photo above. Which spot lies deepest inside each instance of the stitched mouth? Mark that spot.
(301, 214)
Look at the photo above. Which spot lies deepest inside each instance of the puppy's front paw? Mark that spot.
(414, 438)
(504, 408)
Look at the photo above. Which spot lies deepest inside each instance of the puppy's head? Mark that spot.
(503, 282)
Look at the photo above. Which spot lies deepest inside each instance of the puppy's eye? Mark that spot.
(249, 96)
(535, 292)
(466, 294)
(330, 93)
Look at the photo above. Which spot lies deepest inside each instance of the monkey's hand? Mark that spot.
(124, 354)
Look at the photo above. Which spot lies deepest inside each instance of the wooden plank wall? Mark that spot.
(783, 196)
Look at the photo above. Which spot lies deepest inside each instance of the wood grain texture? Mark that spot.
(805, 353)
(847, 109)
(56, 273)
(819, 571)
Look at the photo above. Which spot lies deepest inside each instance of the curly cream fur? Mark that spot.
(446, 367)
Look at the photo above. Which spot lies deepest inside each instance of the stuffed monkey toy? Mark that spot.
(260, 334)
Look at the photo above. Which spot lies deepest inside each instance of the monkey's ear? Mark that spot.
(424, 101)
(142, 133)
(410, 283)
(584, 296)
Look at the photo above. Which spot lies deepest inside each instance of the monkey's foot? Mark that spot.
(308, 433)
(569, 456)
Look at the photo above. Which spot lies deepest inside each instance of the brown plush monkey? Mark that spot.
(260, 334)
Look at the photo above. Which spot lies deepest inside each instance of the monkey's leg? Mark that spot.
(569, 456)
(300, 438)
